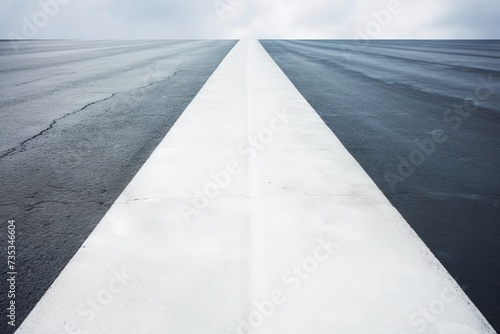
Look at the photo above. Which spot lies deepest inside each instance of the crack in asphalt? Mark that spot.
(32, 206)
(41, 133)
(14, 149)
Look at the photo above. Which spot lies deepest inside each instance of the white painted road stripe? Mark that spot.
(251, 215)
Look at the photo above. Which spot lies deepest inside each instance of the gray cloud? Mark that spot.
(472, 19)
(246, 18)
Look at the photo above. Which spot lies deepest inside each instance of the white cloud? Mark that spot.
(253, 18)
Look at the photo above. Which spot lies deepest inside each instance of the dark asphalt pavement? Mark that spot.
(78, 120)
(423, 119)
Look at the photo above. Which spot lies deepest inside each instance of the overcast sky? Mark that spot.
(91, 19)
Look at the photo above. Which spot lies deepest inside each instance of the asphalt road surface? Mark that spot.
(78, 120)
(423, 119)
